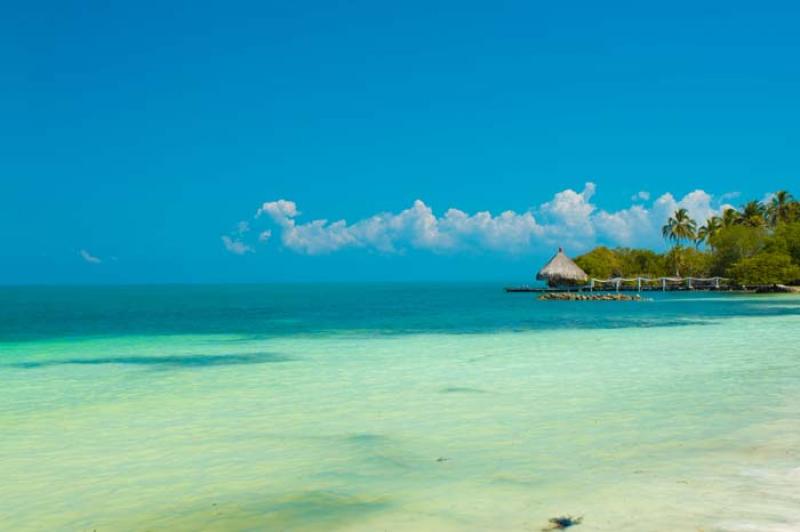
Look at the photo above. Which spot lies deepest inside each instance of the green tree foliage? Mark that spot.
(731, 244)
(753, 214)
(685, 261)
(793, 215)
(780, 208)
(730, 217)
(680, 227)
(696, 263)
(786, 239)
(640, 262)
(604, 263)
(600, 263)
(710, 230)
(759, 244)
(764, 269)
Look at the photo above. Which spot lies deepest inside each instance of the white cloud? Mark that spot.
(234, 242)
(416, 227)
(698, 203)
(642, 195)
(237, 247)
(639, 225)
(729, 196)
(626, 227)
(279, 209)
(88, 257)
(570, 219)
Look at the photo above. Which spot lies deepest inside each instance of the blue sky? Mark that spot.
(142, 134)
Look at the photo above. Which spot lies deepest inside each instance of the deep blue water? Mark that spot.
(33, 313)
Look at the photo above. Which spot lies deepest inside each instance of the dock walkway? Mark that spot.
(638, 284)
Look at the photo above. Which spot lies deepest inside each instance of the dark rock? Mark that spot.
(562, 522)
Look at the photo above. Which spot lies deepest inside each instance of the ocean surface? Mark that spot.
(403, 407)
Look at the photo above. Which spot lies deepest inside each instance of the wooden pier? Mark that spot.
(662, 284)
(638, 284)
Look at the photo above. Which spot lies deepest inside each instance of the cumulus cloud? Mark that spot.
(642, 195)
(279, 209)
(626, 227)
(639, 225)
(569, 219)
(697, 202)
(88, 257)
(237, 247)
(416, 227)
(234, 241)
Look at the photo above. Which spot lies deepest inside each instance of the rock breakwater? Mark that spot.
(577, 296)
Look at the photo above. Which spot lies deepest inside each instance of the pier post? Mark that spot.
(663, 285)
(638, 284)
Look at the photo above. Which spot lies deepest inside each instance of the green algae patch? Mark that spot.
(320, 510)
(461, 389)
(304, 511)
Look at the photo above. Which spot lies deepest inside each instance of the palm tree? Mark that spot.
(753, 214)
(707, 232)
(679, 227)
(793, 212)
(730, 217)
(779, 209)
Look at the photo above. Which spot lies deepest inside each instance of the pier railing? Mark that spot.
(662, 283)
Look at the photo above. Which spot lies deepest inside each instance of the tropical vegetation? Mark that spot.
(756, 244)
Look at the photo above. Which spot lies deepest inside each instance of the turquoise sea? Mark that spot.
(404, 407)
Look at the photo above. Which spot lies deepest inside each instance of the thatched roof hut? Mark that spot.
(560, 270)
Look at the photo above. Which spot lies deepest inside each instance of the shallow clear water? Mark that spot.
(399, 407)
